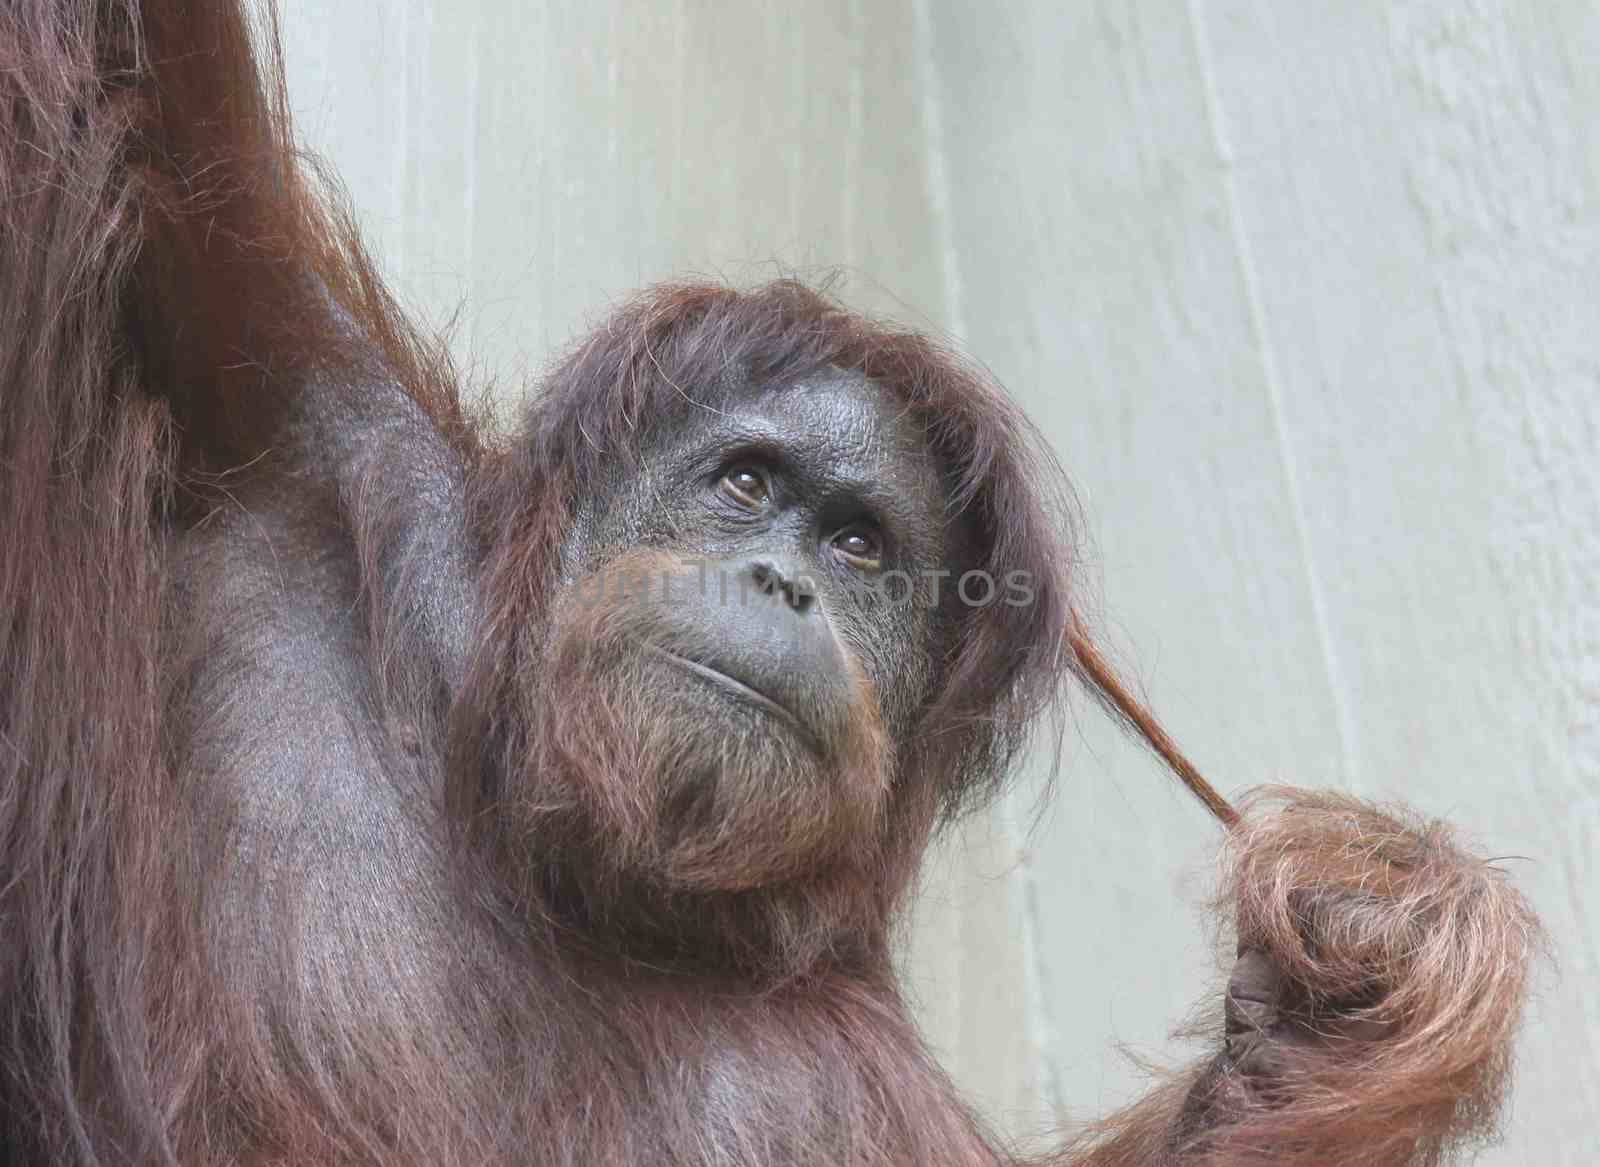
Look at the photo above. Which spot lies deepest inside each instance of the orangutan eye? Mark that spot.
(747, 486)
(860, 547)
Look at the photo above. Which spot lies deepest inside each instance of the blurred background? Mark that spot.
(1306, 296)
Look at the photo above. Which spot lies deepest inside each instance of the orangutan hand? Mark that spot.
(1379, 979)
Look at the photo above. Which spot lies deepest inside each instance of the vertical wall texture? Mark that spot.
(1304, 294)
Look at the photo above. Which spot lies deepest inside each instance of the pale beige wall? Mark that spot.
(1304, 293)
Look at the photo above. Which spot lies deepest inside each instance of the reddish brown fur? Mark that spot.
(1409, 960)
(1386, 927)
(170, 282)
(611, 794)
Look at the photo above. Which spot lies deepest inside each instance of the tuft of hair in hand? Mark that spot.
(1397, 967)
(1369, 1018)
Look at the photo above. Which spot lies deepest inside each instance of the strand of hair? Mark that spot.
(1103, 679)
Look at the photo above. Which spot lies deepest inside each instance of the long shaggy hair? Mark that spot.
(691, 844)
(171, 282)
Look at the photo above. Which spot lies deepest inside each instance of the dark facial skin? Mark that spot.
(788, 506)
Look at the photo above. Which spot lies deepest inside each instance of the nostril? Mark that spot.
(798, 593)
